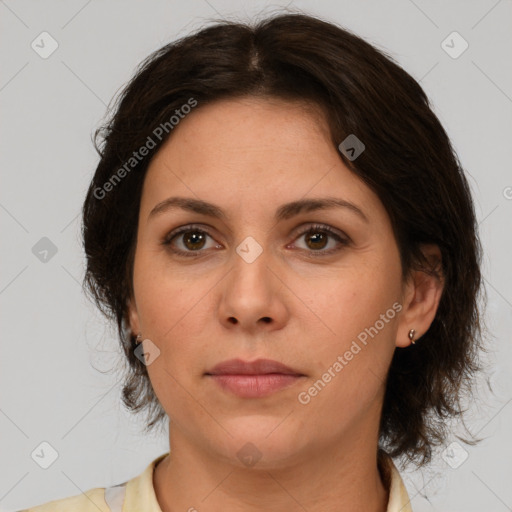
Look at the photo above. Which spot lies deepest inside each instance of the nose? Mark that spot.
(253, 298)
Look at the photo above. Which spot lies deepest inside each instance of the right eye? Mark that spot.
(188, 240)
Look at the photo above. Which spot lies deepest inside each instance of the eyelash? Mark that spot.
(314, 229)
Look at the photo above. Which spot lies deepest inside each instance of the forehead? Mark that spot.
(249, 152)
(251, 124)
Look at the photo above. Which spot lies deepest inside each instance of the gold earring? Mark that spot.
(139, 338)
(412, 332)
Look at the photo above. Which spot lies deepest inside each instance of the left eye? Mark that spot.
(317, 239)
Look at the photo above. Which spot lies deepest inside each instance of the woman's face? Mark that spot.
(247, 281)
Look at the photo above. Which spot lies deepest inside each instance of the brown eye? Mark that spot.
(317, 240)
(194, 240)
(322, 240)
(189, 241)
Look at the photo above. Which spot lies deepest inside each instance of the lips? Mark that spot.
(256, 379)
(258, 367)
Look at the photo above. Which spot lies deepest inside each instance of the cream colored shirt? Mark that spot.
(138, 495)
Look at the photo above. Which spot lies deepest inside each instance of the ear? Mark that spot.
(421, 296)
(133, 317)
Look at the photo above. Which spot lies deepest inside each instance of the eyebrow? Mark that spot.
(284, 212)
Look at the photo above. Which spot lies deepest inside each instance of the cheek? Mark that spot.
(173, 312)
(356, 336)
(176, 311)
(170, 300)
(355, 302)
(349, 360)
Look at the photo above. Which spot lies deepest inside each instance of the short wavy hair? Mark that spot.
(408, 162)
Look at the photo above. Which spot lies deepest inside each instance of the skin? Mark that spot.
(249, 156)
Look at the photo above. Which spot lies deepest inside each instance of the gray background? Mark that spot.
(59, 362)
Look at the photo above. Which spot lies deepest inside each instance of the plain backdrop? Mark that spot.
(58, 382)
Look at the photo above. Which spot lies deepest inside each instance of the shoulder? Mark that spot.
(398, 500)
(125, 497)
(90, 501)
(104, 499)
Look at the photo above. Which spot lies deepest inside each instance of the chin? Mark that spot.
(258, 442)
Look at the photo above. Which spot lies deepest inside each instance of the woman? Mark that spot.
(286, 240)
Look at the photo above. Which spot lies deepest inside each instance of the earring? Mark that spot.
(412, 332)
(139, 338)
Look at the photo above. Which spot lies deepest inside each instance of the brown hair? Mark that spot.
(408, 162)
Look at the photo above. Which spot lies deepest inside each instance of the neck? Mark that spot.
(327, 480)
